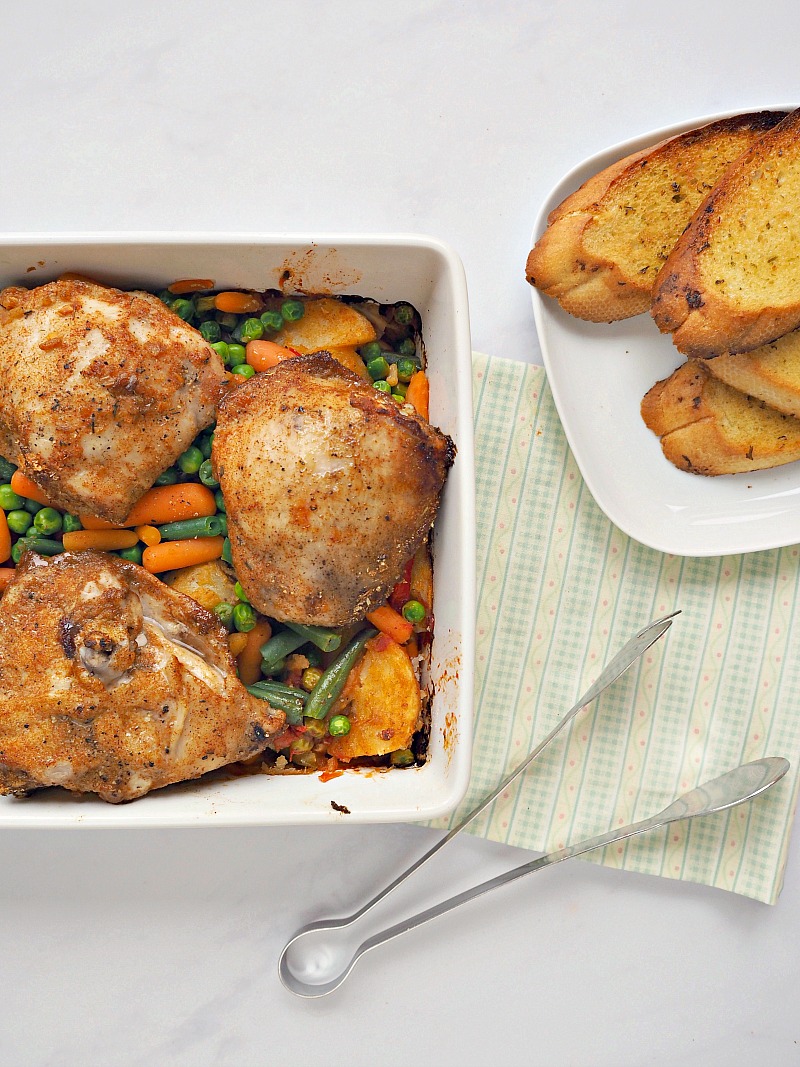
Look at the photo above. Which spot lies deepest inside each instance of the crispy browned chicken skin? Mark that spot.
(111, 683)
(100, 391)
(330, 488)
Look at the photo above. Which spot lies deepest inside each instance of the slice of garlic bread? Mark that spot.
(770, 373)
(706, 427)
(605, 244)
(732, 282)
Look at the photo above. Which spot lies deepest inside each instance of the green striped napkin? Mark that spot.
(560, 590)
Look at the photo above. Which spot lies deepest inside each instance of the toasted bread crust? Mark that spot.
(770, 373)
(605, 243)
(732, 282)
(706, 427)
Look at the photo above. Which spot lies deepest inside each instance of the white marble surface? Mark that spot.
(453, 118)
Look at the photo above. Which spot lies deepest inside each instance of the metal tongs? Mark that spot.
(316, 960)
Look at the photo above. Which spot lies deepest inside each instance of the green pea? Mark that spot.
(184, 309)
(17, 550)
(237, 333)
(166, 297)
(220, 501)
(19, 521)
(32, 506)
(47, 521)
(191, 460)
(413, 611)
(403, 757)
(382, 387)
(370, 351)
(167, 477)
(224, 613)
(207, 474)
(252, 330)
(210, 329)
(272, 321)
(221, 348)
(6, 470)
(134, 554)
(227, 319)
(236, 355)
(399, 398)
(378, 368)
(9, 500)
(240, 593)
(406, 369)
(339, 726)
(292, 310)
(244, 618)
(244, 370)
(406, 347)
(71, 523)
(403, 314)
(401, 389)
(204, 304)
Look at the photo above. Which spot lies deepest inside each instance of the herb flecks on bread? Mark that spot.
(605, 244)
(732, 282)
(706, 427)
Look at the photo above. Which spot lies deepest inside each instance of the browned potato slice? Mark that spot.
(382, 701)
(349, 357)
(207, 583)
(326, 324)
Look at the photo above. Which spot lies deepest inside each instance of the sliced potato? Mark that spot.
(327, 323)
(382, 701)
(207, 583)
(349, 357)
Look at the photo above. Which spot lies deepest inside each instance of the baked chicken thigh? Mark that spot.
(100, 391)
(330, 487)
(111, 683)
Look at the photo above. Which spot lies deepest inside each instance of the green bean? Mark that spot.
(43, 545)
(274, 651)
(325, 639)
(207, 475)
(6, 470)
(281, 698)
(329, 687)
(227, 555)
(207, 526)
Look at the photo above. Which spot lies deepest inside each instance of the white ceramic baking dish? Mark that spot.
(388, 268)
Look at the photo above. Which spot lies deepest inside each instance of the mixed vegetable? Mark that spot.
(351, 696)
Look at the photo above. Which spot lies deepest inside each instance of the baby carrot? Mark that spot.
(6, 574)
(249, 659)
(24, 486)
(101, 540)
(151, 535)
(391, 623)
(261, 355)
(236, 642)
(418, 393)
(238, 303)
(90, 522)
(5, 538)
(190, 285)
(171, 555)
(168, 503)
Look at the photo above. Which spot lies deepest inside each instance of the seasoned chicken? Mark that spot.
(330, 486)
(100, 391)
(111, 683)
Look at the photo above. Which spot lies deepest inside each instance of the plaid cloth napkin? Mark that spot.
(560, 590)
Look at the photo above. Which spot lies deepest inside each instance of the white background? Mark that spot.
(453, 119)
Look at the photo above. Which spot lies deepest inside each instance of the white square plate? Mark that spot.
(389, 268)
(599, 373)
